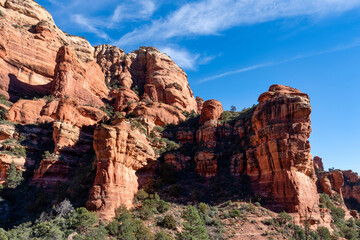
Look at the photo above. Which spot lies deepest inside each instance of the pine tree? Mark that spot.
(14, 177)
(194, 227)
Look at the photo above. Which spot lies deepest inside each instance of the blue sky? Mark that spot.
(234, 50)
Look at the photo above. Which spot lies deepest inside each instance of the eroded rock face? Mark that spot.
(332, 182)
(83, 82)
(268, 143)
(155, 76)
(65, 110)
(284, 171)
(65, 135)
(211, 110)
(29, 42)
(120, 152)
(5, 161)
(351, 189)
(318, 164)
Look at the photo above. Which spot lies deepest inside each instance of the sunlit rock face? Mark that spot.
(120, 152)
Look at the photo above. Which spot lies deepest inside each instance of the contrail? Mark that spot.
(269, 64)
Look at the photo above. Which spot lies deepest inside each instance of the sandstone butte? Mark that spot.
(63, 92)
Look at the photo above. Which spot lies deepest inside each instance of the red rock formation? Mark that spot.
(211, 110)
(155, 75)
(283, 170)
(66, 110)
(83, 82)
(159, 113)
(120, 152)
(65, 135)
(53, 170)
(200, 103)
(7, 131)
(206, 159)
(318, 164)
(332, 182)
(5, 161)
(29, 42)
(123, 98)
(351, 189)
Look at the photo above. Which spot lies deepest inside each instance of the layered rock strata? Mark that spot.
(120, 152)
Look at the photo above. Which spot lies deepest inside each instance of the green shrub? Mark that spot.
(108, 109)
(158, 128)
(4, 101)
(142, 232)
(163, 236)
(3, 235)
(324, 233)
(235, 213)
(169, 222)
(283, 218)
(268, 221)
(84, 219)
(204, 208)
(146, 211)
(170, 145)
(141, 195)
(47, 230)
(113, 228)
(162, 206)
(93, 234)
(14, 176)
(349, 233)
(337, 213)
(194, 227)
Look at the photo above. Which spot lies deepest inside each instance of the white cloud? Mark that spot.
(87, 24)
(181, 57)
(209, 17)
(132, 10)
(184, 58)
(355, 43)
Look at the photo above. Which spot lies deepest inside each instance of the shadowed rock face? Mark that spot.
(120, 152)
(351, 189)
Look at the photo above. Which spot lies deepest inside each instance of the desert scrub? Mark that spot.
(4, 101)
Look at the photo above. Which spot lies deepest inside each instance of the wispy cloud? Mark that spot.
(355, 43)
(87, 24)
(210, 17)
(133, 10)
(185, 58)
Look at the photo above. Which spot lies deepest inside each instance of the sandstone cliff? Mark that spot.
(120, 152)
(73, 106)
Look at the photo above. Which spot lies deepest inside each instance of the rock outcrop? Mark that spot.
(332, 182)
(120, 152)
(152, 74)
(5, 161)
(283, 170)
(206, 137)
(83, 82)
(66, 110)
(351, 189)
(318, 164)
(267, 143)
(29, 43)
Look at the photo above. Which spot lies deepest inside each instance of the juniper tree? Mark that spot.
(14, 177)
